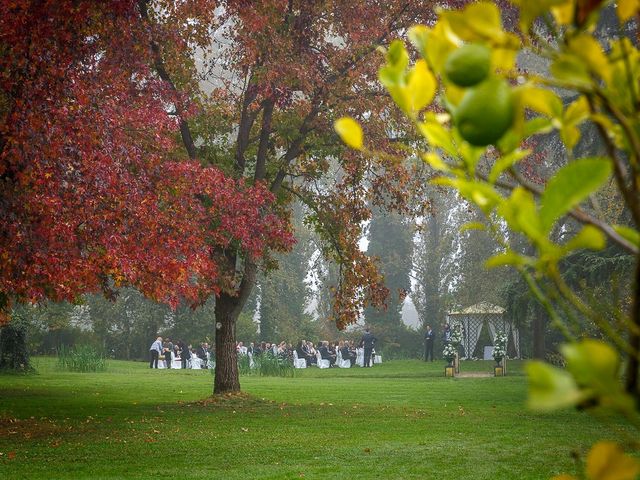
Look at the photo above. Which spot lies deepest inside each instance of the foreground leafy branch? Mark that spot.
(480, 112)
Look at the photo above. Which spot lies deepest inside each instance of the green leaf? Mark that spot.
(589, 50)
(485, 19)
(571, 69)
(589, 237)
(577, 112)
(507, 258)
(418, 36)
(570, 135)
(537, 125)
(593, 364)
(521, 214)
(393, 73)
(397, 56)
(542, 101)
(505, 162)
(479, 193)
(530, 10)
(570, 186)
(435, 162)
(350, 132)
(438, 136)
(550, 388)
(629, 234)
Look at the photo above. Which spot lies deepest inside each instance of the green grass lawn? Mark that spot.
(400, 420)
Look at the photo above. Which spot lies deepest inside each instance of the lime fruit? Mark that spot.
(468, 65)
(485, 112)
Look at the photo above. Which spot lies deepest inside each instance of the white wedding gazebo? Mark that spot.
(473, 318)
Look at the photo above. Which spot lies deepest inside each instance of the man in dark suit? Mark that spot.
(348, 354)
(428, 344)
(326, 354)
(367, 341)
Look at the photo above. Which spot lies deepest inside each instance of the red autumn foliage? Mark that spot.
(93, 189)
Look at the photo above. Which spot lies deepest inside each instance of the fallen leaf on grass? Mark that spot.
(11, 455)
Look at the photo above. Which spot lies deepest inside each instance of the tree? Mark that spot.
(478, 146)
(391, 243)
(95, 193)
(287, 70)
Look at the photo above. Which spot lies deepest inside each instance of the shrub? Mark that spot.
(82, 358)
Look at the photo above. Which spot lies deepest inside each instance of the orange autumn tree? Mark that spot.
(95, 191)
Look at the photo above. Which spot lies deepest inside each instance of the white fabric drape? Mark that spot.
(492, 330)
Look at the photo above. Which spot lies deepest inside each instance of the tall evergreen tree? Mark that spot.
(391, 242)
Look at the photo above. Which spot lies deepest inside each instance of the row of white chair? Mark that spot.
(340, 362)
(193, 363)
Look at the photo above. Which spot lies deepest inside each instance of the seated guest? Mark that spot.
(311, 352)
(326, 354)
(348, 353)
(303, 352)
(201, 353)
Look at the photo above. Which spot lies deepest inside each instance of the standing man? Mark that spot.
(367, 341)
(167, 349)
(185, 353)
(155, 350)
(446, 335)
(428, 344)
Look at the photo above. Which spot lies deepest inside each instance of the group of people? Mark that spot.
(308, 351)
(164, 352)
(169, 352)
(429, 339)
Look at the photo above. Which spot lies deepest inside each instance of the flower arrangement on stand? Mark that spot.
(449, 354)
(499, 352)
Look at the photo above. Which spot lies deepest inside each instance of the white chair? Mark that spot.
(299, 362)
(162, 363)
(340, 361)
(176, 362)
(195, 363)
(360, 357)
(251, 362)
(377, 359)
(321, 362)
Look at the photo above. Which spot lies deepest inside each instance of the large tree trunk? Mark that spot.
(226, 377)
(227, 310)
